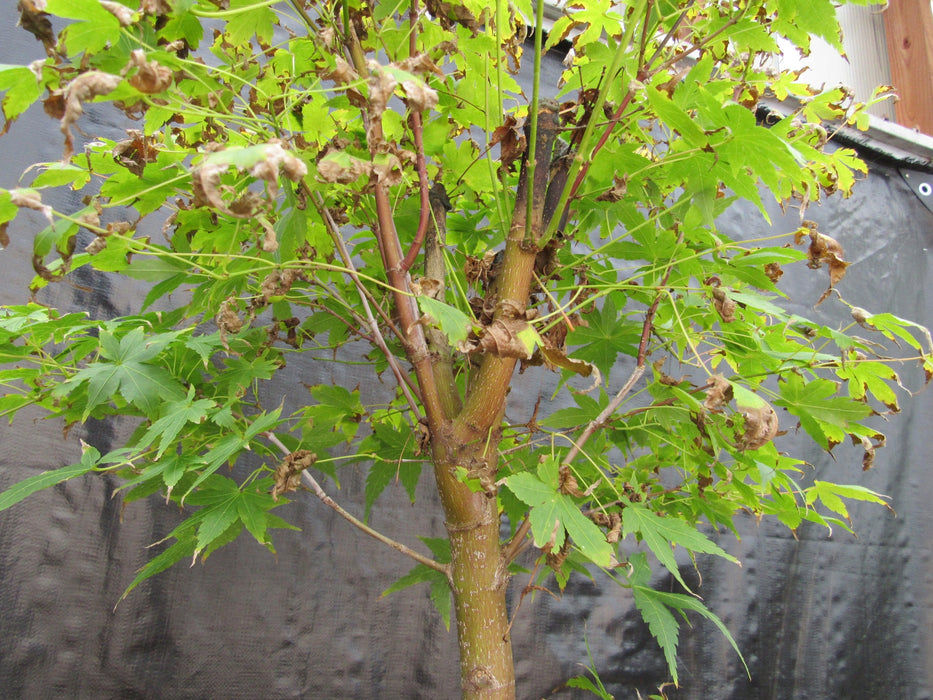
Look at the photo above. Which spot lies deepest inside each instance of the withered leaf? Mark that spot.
(36, 22)
(275, 158)
(85, 87)
(868, 459)
(823, 249)
(718, 394)
(227, 319)
(774, 272)
(95, 246)
(135, 152)
(381, 88)
(287, 475)
(269, 241)
(341, 167)
(155, 7)
(503, 337)
(761, 426)
(618, 190)
(725, 306)
(511, 140)
(558, 358)
(388, 169)
(343, 72)
(4, 236)
(150, 77)
(418, 96)
(123, 14)
(568, 483)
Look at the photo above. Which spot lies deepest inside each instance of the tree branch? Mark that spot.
(375, 534)
(417, 132)
(401, 377)
(517, 544)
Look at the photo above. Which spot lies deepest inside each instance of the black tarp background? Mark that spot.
(816, 617)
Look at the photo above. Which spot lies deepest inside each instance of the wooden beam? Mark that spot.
(909, 33)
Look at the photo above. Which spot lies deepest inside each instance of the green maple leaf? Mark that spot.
(126, 370)
(660, 534)
(553, 512)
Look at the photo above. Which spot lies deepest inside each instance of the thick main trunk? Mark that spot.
(470, 442)
(478, 575)
(479, 584)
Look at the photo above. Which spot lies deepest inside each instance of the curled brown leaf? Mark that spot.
(228, 320)
(35, 20)
(150, 77)
(567, 483)
(718, 394)
(155, 7)
(85, 87)
(823, 249)
(123, 14)
(31, 199)
(725, 306)
(287, 475)
(774, 272)
(341, 167)
(381, 88)
(343, 72)
(761, 426)
(277, 158)
(511, 140)
(418, 96)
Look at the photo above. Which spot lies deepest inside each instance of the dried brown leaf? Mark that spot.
(501, 338)
(343, 72)
(725, 306)
(567, 482)
(34, 20)
(85, 87)
(30, 199)
(287, 475)
(774, 272)
(511, 140)
(761, 426)
(418, 96)
(269, 242)
(155, 7)
(618, 190)
(381, 88)
(123, 14)
(718, 394)
(277, 158)
(388, 169)
(150, 77)
(823, 249)
(135, 152)
(422, 64)
(227, 319)
(205, 182)
(343, 170)
(54, 104)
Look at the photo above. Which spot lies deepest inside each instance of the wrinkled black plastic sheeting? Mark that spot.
(816, 617)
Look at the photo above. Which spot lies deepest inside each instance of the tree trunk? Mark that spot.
(478, 574)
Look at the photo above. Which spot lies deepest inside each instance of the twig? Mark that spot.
(417, 132)
(331, 503)
(604, 415)
(400, 377)
(397, 546)
(517, 544)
